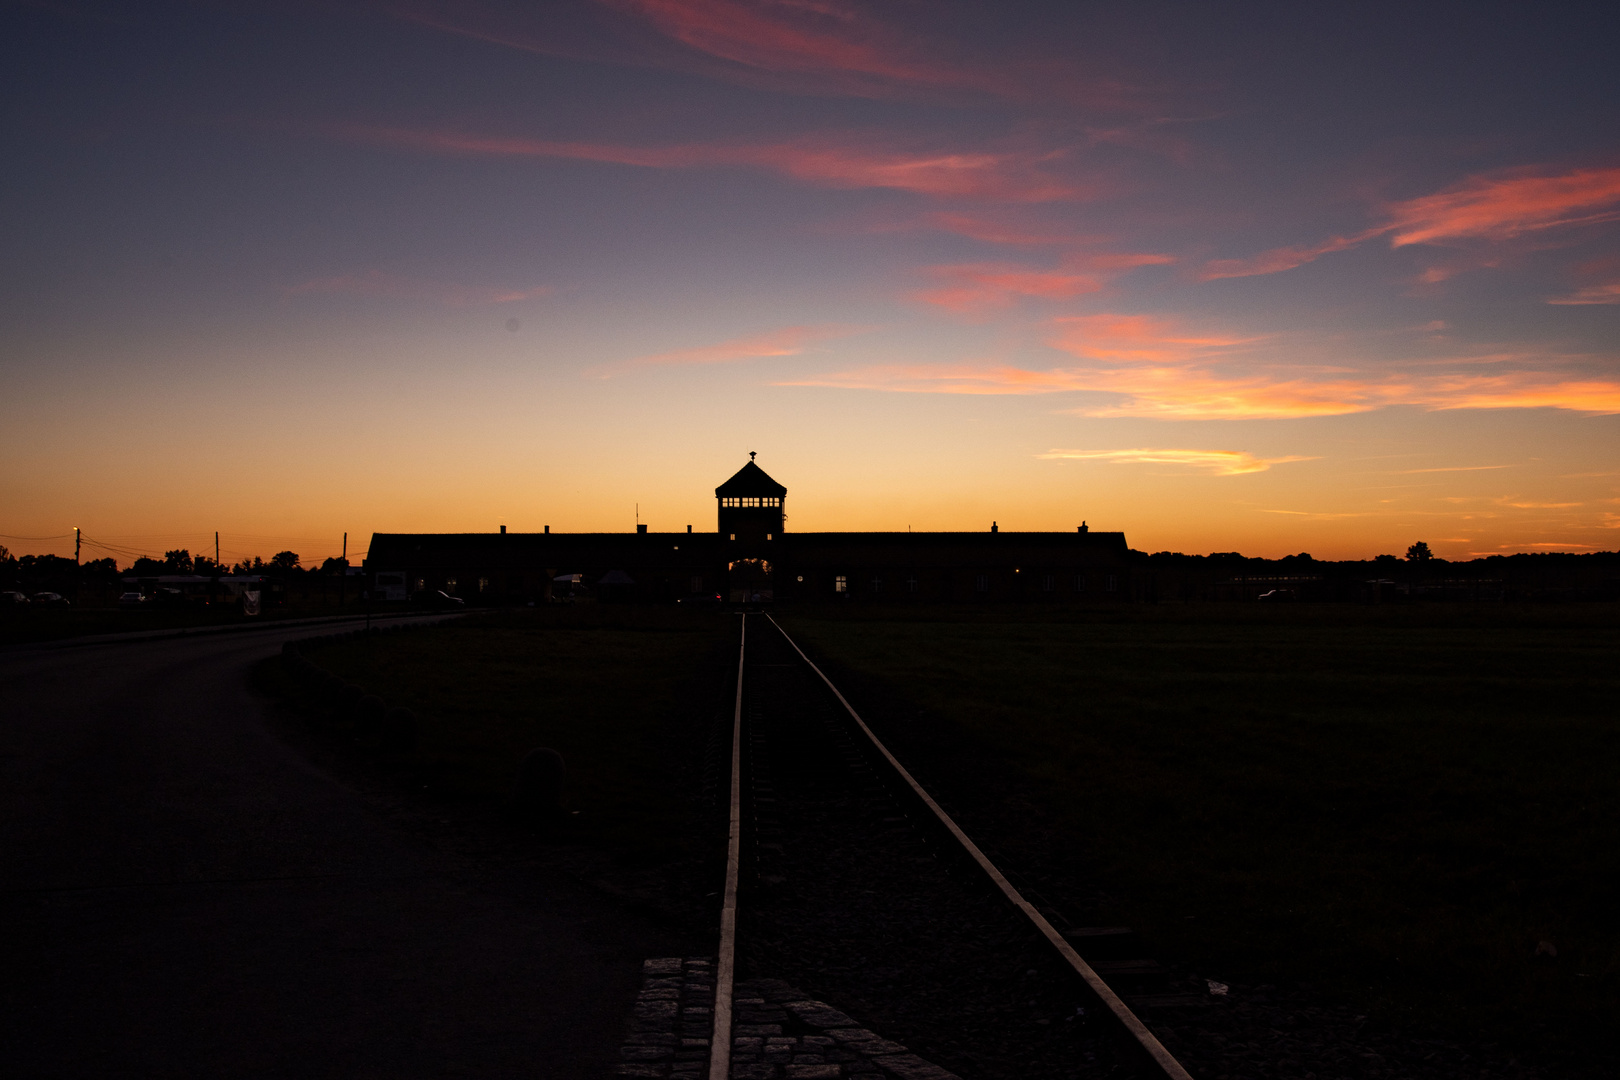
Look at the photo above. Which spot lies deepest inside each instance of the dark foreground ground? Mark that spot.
(1395, 832)
(1365, 821)
(185, 895)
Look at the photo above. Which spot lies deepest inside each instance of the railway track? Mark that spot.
(847, 878)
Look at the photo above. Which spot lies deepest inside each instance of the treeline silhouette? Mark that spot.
(31, 573)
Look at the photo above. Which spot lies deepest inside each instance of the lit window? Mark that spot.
(449, 584)
(734, 536)
(768, 536)
(483, 584)
(840, 583)
(421, 584)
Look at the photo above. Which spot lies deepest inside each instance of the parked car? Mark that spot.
(440, 599)
(54, 599)
(12, 598)
(1277, 594)
(130, 599)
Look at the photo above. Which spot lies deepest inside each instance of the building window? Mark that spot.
(768, 536)
(1047, 583)
(697, 584)
(877, 585)
(734, 536)
(841, 584)
(421, 583)
(1079, 583)
(1113, 582)
(450, 585)
(982, 583)
(911, 583)
(483, 584)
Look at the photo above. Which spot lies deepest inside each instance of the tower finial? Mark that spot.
(751, 454)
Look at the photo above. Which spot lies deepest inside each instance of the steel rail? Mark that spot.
(725, 973)
(1162, 1059)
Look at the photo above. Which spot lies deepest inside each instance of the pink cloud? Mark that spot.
(786, 341)
(1490, 208)
(816, 46)
(1159, 368)
(1502, 207)
(379, 283)
(997, 176)
(978, 287)
(1276, 260)
(1606, 293)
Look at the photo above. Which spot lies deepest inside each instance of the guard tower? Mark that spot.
(750, 510)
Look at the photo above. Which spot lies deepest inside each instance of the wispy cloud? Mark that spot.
(978, 287)
(379, 283)
(786, 341)
(1159, 368)
(1504, 206)
(1001, 176)
(1216, 462)
(822, 47)
(1493, 208)
(1277, 260)
(1607, 293)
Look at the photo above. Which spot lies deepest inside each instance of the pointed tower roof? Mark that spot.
(748, 482)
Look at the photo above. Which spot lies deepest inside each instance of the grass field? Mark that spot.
(1393, 805)
(619, 692)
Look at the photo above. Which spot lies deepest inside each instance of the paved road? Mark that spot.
(181, 894)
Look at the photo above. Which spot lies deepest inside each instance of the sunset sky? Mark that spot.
(1264, 278)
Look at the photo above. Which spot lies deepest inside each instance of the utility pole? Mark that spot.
(216, 551)
(77, 536)
(343, 570)
(78, 580)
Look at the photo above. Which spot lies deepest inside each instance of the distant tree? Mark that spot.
(334, 566)
(249, 566)
(177, 561)
(1386, 560)
(285, 560)
(202, 564)
(1419, 552)
(101, 568)
(5, 553)
(145, 567)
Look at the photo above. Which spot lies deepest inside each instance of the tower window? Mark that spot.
(841, 584)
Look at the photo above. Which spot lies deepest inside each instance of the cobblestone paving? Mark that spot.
(777, 1032)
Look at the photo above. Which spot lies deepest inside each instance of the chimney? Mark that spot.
(548, 530)
(994, 527)
(503, 530)
(689, 528)
(641, 530)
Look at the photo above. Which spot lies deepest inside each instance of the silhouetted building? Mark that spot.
(751, 555)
